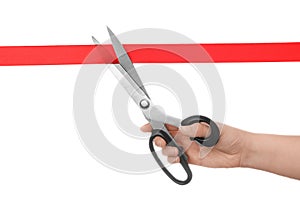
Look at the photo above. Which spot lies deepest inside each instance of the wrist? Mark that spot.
(249, 151)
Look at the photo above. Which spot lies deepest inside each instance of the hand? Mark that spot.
(228, 152)
(236, 148)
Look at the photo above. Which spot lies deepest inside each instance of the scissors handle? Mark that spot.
(214, 136)
(183, 158)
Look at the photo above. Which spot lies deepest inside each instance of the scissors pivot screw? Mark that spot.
(144, 104)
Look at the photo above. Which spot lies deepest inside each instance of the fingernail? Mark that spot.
(158, 143)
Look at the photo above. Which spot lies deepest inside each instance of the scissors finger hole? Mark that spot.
(168, 158)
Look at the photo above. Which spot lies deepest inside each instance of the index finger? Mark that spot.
(148, 128)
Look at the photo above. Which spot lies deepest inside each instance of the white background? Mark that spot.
(41, 156)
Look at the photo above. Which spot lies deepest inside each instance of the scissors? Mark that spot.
(135, 88)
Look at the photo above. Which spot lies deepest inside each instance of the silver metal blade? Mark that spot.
(125, 79)
(153, 114)
(125, 61)
(95, 40)
(122, 73)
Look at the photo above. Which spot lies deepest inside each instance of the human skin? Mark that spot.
(236, 148)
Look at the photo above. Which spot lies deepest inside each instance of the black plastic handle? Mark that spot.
(183, 158)
(214, 136)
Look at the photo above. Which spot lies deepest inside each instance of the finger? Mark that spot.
(173, 159)
(171, 127)
(170, 151)
(146, 128)
(174, 133)
(196, 130)
(158, 141)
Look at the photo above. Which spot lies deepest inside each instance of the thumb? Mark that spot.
(195, 130)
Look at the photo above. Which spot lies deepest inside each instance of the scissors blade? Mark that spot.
(126, 81)
(95, 40)
(125, 61)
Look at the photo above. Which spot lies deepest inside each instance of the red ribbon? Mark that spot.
(152, 53)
